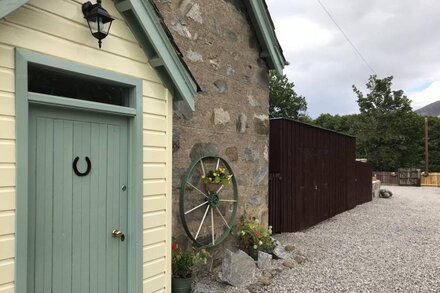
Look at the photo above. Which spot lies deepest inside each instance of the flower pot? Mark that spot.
(252, 252)
(212, 187)
(181, 285)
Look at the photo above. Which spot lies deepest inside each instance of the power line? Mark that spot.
(347, 38)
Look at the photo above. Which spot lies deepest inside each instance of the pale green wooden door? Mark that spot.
(71, 218)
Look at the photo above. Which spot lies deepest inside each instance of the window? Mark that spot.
(50, 81)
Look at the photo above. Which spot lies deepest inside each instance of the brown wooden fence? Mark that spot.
(409, 176)
(363, 183)
(403, 177)
(312, 175)
(433, 179)
(387, 178)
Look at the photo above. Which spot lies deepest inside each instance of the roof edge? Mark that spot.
(141, 16)
(311, 125)
(262, 21)
(8, 6)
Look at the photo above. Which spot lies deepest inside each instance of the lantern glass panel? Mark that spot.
(104, 27)
(93, 24)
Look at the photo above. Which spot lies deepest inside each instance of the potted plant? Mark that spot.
(183, 264)
(216, 178)
(254, 236)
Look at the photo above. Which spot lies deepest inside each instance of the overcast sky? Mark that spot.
(396, 37)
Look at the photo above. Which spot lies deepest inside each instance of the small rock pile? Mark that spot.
(240, 273)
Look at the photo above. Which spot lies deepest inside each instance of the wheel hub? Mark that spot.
(213, 200)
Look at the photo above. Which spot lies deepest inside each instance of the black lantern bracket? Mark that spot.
(98, 19)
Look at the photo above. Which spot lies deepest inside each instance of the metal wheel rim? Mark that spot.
(209, 210)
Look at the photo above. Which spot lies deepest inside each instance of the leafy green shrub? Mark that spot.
(252, 235)
(184, 261)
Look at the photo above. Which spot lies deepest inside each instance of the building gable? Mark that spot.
(146, 26)
(142, 19)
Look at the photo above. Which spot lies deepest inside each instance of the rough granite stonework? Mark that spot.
(231, 116)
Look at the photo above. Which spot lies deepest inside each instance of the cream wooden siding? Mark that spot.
(57, 28)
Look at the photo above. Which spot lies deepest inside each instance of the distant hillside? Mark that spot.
(432, 109)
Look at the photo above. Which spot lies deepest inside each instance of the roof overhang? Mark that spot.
(7, 6)
(157, 45)
(265, 30)
(143, 20)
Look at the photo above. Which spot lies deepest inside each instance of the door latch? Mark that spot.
(118, 234)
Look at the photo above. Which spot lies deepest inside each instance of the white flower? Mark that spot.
(255, 246)
(260, 243)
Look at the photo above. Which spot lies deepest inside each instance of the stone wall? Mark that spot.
(231, 117)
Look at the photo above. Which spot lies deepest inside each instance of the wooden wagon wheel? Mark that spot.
(207, 215)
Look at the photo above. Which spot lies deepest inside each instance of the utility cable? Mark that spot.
(346, 37)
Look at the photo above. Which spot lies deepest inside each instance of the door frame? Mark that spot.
(23, 100)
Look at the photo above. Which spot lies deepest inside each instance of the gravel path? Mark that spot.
(388, 245)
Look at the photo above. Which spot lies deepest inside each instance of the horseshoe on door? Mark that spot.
(75, 168)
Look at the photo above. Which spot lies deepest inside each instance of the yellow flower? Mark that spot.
(215, 174)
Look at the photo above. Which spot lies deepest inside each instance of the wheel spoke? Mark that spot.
(212, 227)
(201, 192)
(228, 200)
(218, 163)
(224, 220)
(203, 167)
(218, 190)
(193, 209)
(201, 224)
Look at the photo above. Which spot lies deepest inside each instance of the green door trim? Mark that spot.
(43, 99)
(23, 99)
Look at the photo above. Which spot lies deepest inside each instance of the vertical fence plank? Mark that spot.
(433, 179)
(313, 175)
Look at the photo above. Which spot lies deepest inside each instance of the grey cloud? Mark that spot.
(397, 37)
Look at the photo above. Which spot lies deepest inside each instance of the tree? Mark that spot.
(347, 124)
(382, 100)
(283, 100)
(389, 131)
(434, 144)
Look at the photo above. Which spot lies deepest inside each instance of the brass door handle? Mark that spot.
(118, 234)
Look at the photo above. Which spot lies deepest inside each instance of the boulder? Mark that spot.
(300, 259)
(289, 248)
(289, 264)
(279, 251)
(264, 260)
(238, 269)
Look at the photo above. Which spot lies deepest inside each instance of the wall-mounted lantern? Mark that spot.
(98, 19)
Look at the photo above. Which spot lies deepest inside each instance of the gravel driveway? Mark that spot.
(388, 245)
